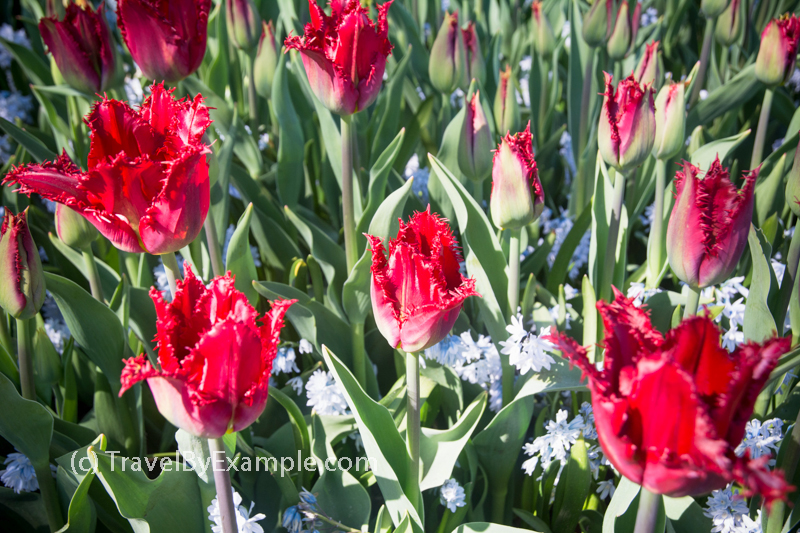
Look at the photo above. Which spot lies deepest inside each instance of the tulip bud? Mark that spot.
(648, 71)
(54, 8)
(475, 146)
(22, 290)
(713, 8)
(670, 121)
(73, 229)
(476, 66)
(627, 124)
(82, 48)
(696, 140)
(793, 185)
(447, 67)
(597, 23)
(517, 195)
(778, 52)
(709, 224)
(266, 60)
(729, 24)
(542, 32)
(620, 41)
(243, 23)
(506, 109)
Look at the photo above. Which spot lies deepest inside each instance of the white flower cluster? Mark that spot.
(639, 294)
(19, 474)
(285, 362)
(325, 395)
(420, 175)
(561, 226)
(7, 32)
(732, 308)
(527, 351)
(650, 16)
(761, 438)
(729, 513)
(452, 495)
(244, 522)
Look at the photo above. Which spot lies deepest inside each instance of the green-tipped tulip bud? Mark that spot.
(517, 194)
(73, 229)
(447, 67)
(620, 41)
(244, 23)
(729, 24)
(22, 290)
(670, 121)
(598, 22)
(793, 185)
(627, 129)
(542, 31)
(475, 145)
(266, 60)
(476, 66)
(778, 51)
(506, 109)
(648, 71)
(696, 140)
(713, 8)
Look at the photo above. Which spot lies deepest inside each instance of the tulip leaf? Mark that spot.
(706, 154)
(26, 425)
(109, 279)
(562, 376)
(770, 193)
(758, 323)
(382, 441)
(31, 63)
(685, 515)
(573, 488)
(290, 156)
(602, 213)
(558, 272)
(60, 129)
(220, 189)
(620, 516)
(34, 146)
(299, 424)
(486, 527)
(392, 103)
(356, 292)
(732, 95)
(239, 260)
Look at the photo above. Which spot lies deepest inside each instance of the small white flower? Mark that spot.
(703, 94)
(530, 354)
(761, 438)
(285, 361)
(606, 489)
(297, 384)
(732, 338)
(244, 522)
(555, 444)
(19, 474)
(650, 16)
(727, 512)
(263, 141)
(324, 394)
(447, 352)
(452, 495)
(305, 347)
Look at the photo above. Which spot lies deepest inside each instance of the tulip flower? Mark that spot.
(647, 71)
(476, 66)
(627, 124)
(708, 228)
(73, 229)
(778, 51)
(542, 32)
(598, 23)
(475, 146)
(344, 54)
(418, 291)
(166, 39)
(22, 290)
(793, 185)
(448, 67)
(506, 109)
(81, 46)
(713, 8)
(147, 186)
(266, 60)
(243, 23)
(670, 121)
(620, 40)
(670, 410)
(729, 24)
(517, 195)
(214, 359)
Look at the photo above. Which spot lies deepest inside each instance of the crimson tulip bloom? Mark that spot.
(627, 124)
(344, 54)
(708, 227)
(81, 46)
(147, 187)
(778, 51)
(215, 360)
(418, 292)
(166, 39)
(670, 411)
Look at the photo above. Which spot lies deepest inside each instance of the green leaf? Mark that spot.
(486, 527)
(31, 63)
(562, 376)
(220, 188)
(573, 488)
(26, 425)
(109, 279)
(706, 154)
(239, 260)
(290, 153)
(624, 495)
(61, 131)
(732, 95)
(356, 292)
(686, 515)
(299, 425)
(392, 100)
(770, 193)
(34, 146)
(601, 221)
(758, 321)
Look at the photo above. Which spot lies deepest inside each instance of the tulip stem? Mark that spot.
(789, 277)
(513, 304)
(647, 515)
(47, 488)
(359, 357)
(412, 417)
(91, 271)
(348, 212)
(222, 481)
(586, 95)
(657, 230)
(25, 360)
(711, 24)
(613, 235)
(692, 303)
(761, 132)
(252, 97)
(172, 270)
(217, 266)
(5, 338)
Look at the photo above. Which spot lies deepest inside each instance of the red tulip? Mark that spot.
(778, 51)
(166, 39)
(147, 187)
(709, 224)
(418, 292)
(627, 124)
(22, 290)
(81, 46)
(214, 359)
(671, 410)
(344, 54)
(647, 71)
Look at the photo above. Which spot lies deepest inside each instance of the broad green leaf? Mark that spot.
(573, 488)
(624, 495)
(26, 425)
(356, 292)
(758, 321)
(393, 99)
(34, 146)
(109, 279)
(686, 515)
(562, 376)
(770, 193)
(732, 95)
(290, 154)
(706, 154)
(601, 220)
(282, 477)
(486, 527)
(34, 66)
(384, 223)
(299, 424)
(59, 128)
(239, 260)
(220, 188)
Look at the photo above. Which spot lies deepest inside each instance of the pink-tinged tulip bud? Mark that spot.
(627, 124)
(475, 145)
(506, 108)
(647, 71)
(778, 52)
(620, 40)
(448, 67)
(344, 54)
(598, 23)
(517, 194)
(147, 185)
(82, 48)
(793, 185)
(713, 8)
(709, 224)
(418, 291)
(22, 289)
(166, 39)
(215, 360)
(266, 60)
(729, 24)
(73, 229)
(244, 23)
(476, 66)
(542, 31)
(670, 121)
(54, 8)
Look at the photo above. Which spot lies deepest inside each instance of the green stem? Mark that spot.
(348, 215)
(704, 56)
(586, 95)
(513, 303)
(94, 275)
(252, 97)
(25, 360)
(613, 234)
(657, 231)
(412, 417)
(47, 488)
(477, 193)
(5, 338)
(724, 57)
(338, 525)
(543, 99)
(763, 125)
(692, 302)
(222, 482)
(647, 515)
(359, 355)
(788, 464)
(499, 503)
(217, 266)
(789, 277)
(172, 270)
